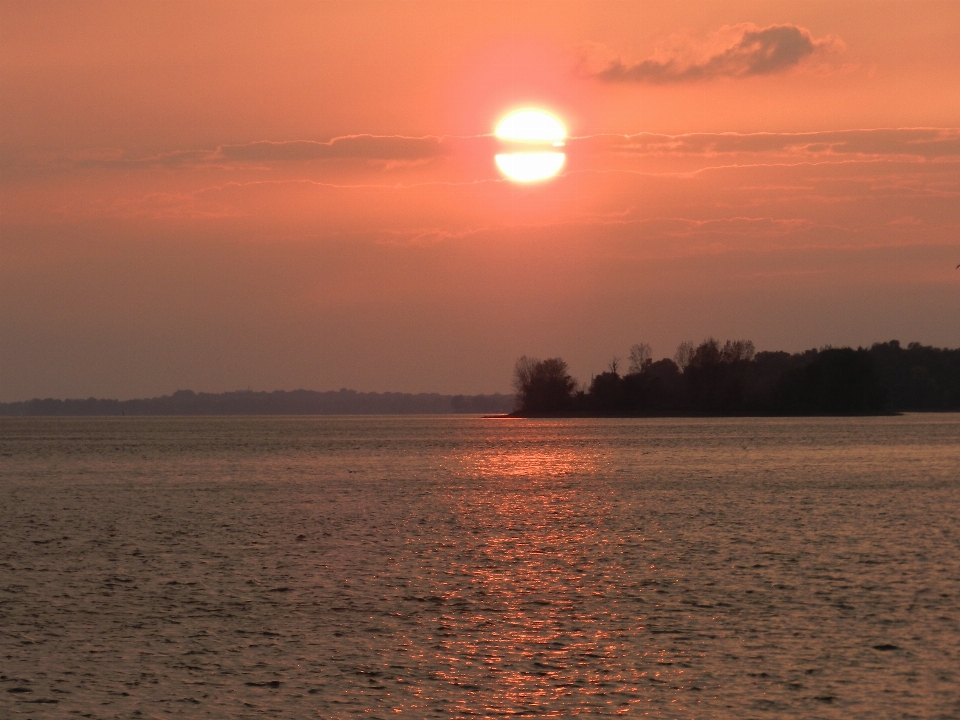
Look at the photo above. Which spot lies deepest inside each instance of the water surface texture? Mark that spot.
(463, 567)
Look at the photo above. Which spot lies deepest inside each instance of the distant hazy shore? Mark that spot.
(278, 402)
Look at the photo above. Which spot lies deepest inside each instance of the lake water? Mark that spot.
(462, 567)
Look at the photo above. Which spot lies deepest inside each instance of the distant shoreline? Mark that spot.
(279, 402)
(484, 416)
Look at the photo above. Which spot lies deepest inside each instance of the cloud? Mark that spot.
(366, 147)
(120, 160)
(382, 153)
(386, 148)
(754, 51)
(879, 142)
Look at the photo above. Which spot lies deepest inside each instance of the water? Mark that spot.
(461, 567)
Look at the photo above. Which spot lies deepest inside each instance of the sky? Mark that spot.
(278, 195)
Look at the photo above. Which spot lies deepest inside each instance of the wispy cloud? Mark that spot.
(752, 51)
(911, 142)
(396, 150)
(387, 148)
(365, 147)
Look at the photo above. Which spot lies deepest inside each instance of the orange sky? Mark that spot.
(302, 194)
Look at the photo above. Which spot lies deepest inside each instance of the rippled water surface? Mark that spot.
(462, 567)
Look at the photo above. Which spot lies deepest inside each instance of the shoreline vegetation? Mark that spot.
(732, 379)
(706, 380)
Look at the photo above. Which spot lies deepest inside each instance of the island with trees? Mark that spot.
(733, 379)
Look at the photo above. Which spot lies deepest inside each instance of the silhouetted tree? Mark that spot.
(606, 393)
(641, 355)
(706, 355)
(683, 355)
(543, 386)
(657, 389)
(918, 377)
(666, 370)
(718, 378)
(737, 351)
(768, 368)
(840, 381)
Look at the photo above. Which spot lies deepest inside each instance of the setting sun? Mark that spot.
(525, 132)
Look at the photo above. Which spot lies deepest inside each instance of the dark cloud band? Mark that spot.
(368, 147)
(915, 142)
(921, 143)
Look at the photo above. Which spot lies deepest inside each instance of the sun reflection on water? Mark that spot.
(529, 463)
(531, 615)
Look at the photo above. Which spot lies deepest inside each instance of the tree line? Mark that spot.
(733, 379)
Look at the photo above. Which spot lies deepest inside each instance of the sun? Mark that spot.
(527, 134)
(531, 125)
